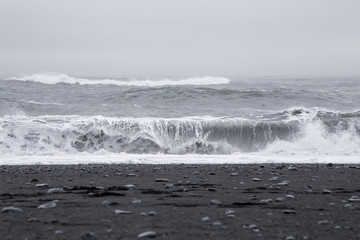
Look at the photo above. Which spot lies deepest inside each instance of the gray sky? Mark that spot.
(180, 37)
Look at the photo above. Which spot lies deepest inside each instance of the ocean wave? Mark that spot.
(324, 132)
(65, 79)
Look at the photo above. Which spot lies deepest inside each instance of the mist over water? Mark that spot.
(59, 114)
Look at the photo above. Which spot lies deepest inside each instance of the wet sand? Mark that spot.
(267, 201)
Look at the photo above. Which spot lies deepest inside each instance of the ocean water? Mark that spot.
(56, 118)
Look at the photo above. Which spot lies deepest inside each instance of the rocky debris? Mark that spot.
(11, 209)
(279, 199)
(55, 190)
(256, 179)
(215, 202)
(59, 231)
(273, 179)
(117, 211)
(234, 174)
(290, 238)
(148, 234)
(48, 205)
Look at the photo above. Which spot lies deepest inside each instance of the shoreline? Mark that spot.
(208, 201)
(191, 159)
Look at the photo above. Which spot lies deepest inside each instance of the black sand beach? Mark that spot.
(268, 201)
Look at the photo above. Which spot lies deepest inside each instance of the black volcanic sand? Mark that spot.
(321, 202)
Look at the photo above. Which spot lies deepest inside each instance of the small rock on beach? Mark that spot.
(148, 234)
(11, 209)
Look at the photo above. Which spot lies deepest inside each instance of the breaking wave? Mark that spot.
(291, 131)
(65, 79)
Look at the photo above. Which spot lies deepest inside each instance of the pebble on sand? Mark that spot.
(322, 222)
(354, 199)
(169, 185)
(117, 211)
(283, 183)
(266, 201)
(205, 219)
(48, 205)
(326, 191)
(109, 203)
(148, 234)
(11, 209)
(162, 180)
(136, 201)
(152, 213)
(55, 190)
(289, 211)
(131, 175)
(130, 186)
(290, 196)
(42, 185)
(32, 219)
(229, 212)
(215, 202)
(217, 223)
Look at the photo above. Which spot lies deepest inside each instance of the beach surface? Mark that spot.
(129, 201)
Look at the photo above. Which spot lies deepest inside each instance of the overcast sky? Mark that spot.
(180, 37)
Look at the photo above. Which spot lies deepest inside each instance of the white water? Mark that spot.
(63, 78)
(177, 159)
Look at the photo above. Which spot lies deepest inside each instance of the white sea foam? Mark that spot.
(63, 140)
(63, 78)
(254, 158)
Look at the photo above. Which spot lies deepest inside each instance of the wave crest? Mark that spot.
(65, 79)
(324, 133)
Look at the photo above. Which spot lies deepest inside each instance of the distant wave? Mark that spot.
(65, 79)
(299, 130)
